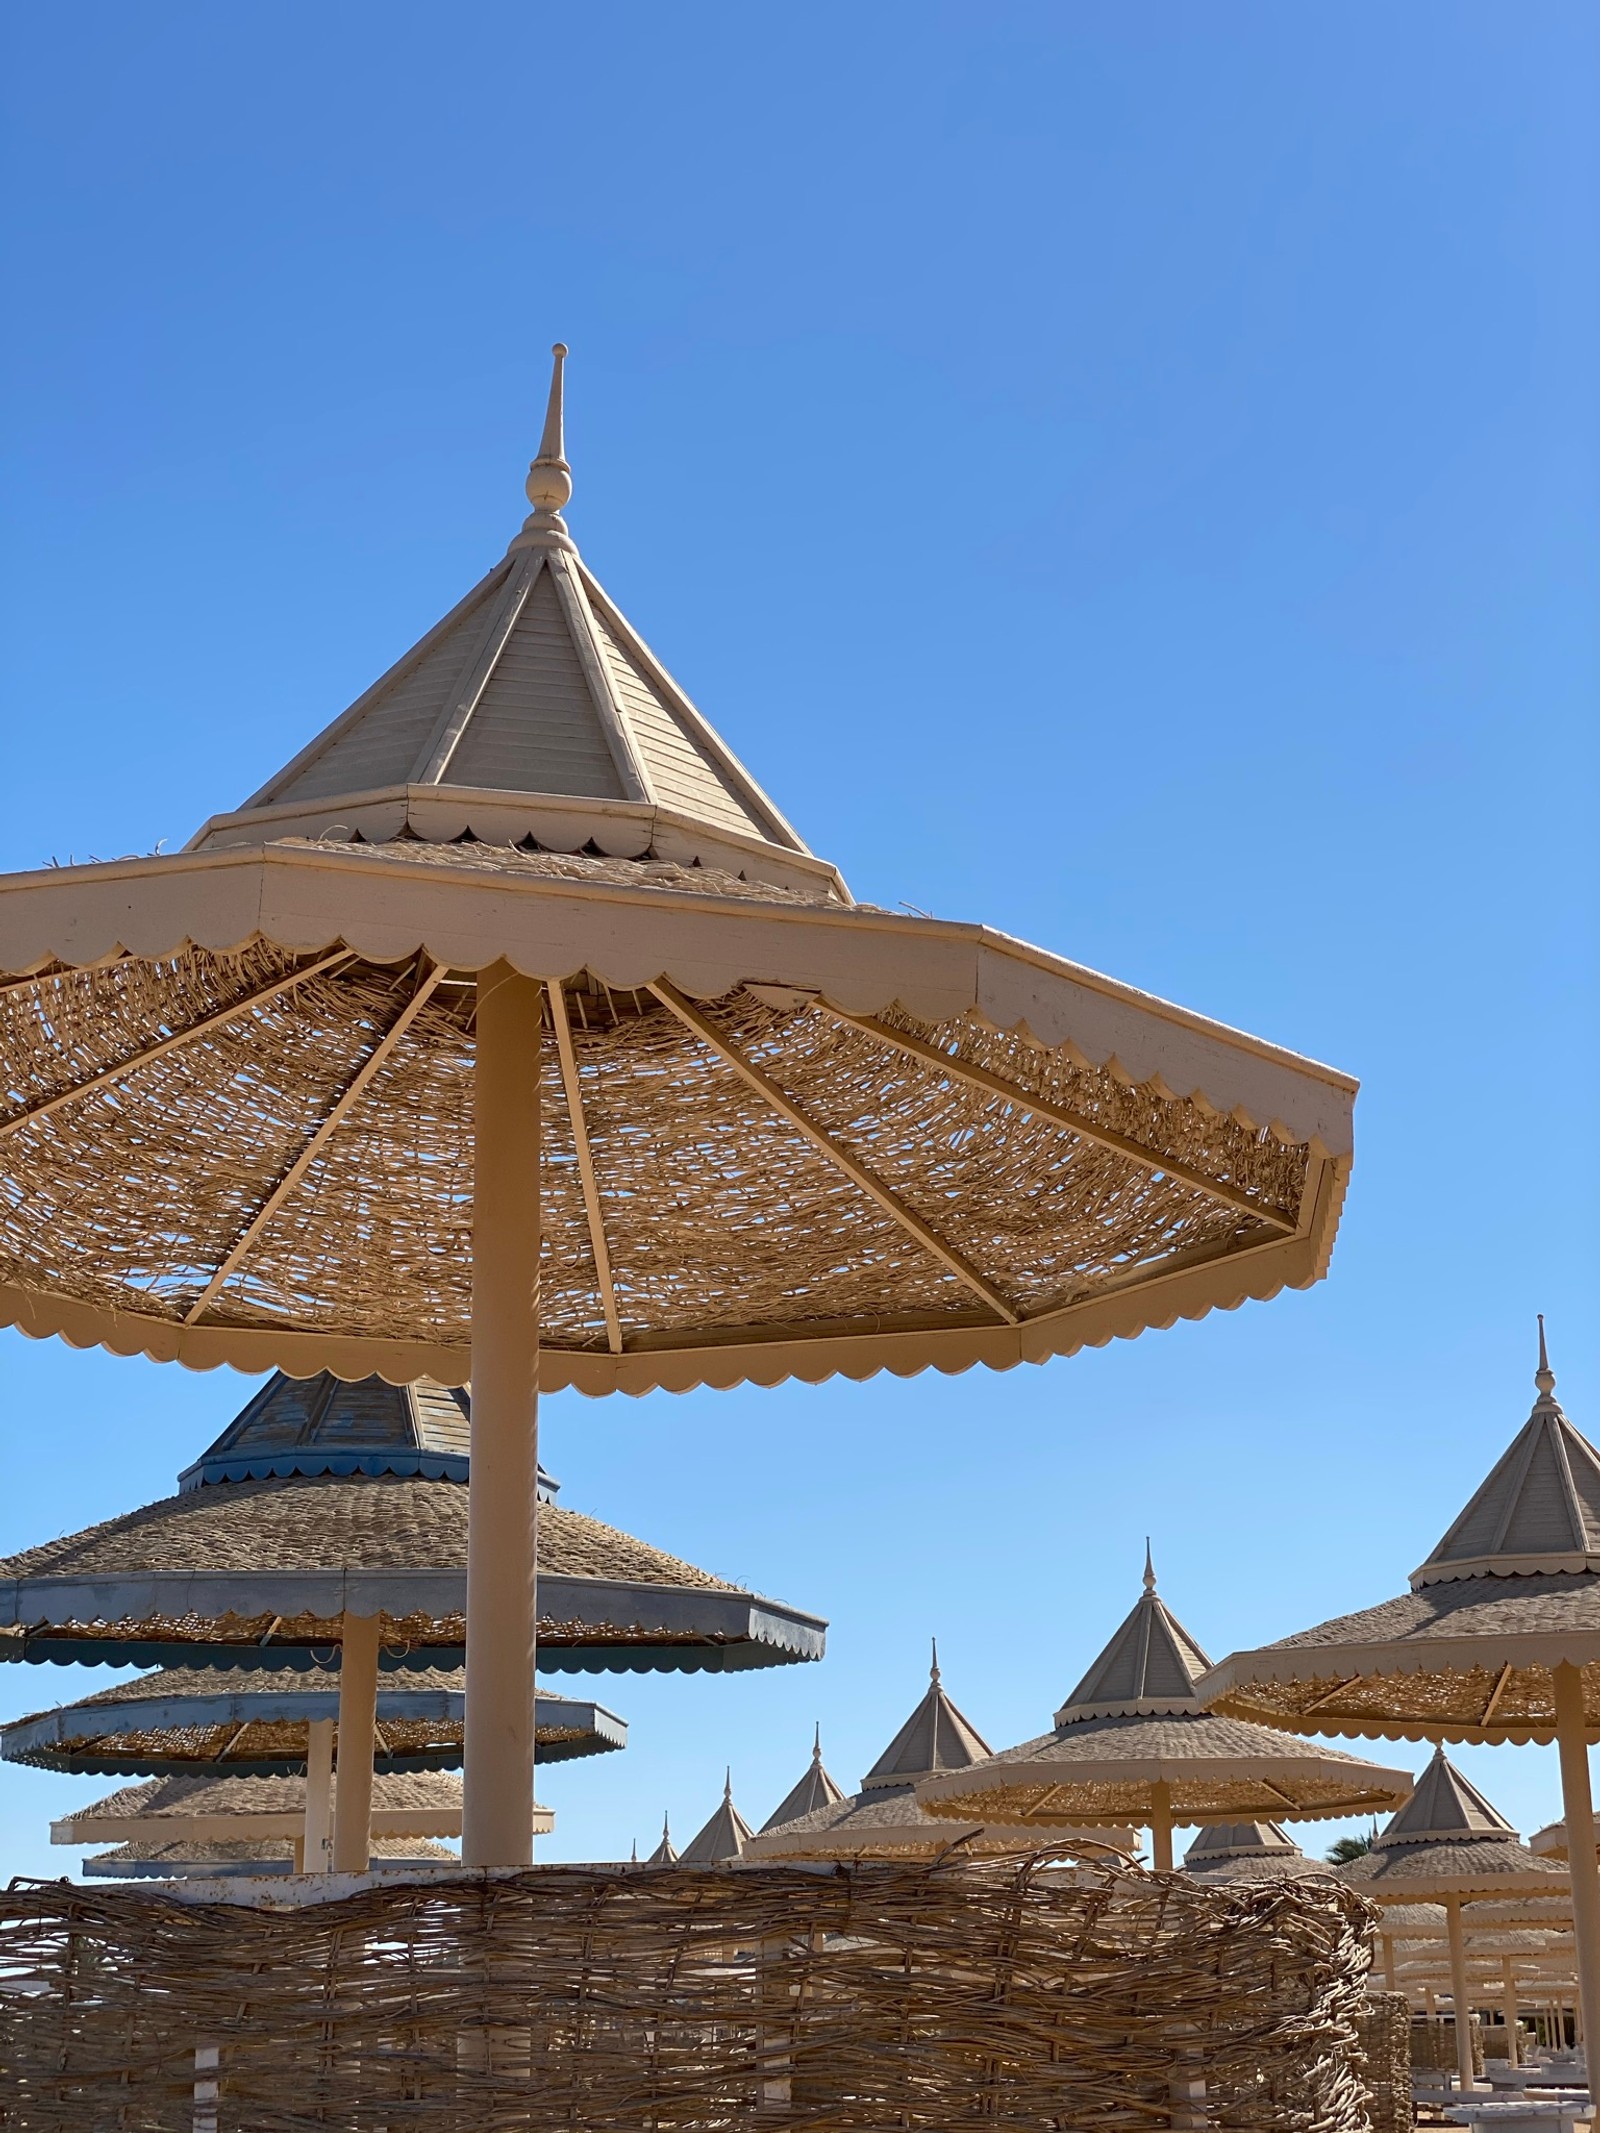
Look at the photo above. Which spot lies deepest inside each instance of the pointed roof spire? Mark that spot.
(1149, 1667)
(935, 1737)
(815, 1789)
(549, 483)
(533, 713)
(664, 1853)
(1445, 1808)
(723, 1837)
(1539, 1509)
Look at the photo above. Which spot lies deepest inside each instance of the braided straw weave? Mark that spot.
(640, 2001)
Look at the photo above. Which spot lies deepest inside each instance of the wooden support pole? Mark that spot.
(1386, 1943)
(358, 1715)
(1460, 1994)
(1161, 1826)
(1577, 1800)
(1508, 2007)
(496, 1827)
(318, 1839)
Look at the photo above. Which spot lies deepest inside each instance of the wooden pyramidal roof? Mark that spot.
(1445, 1808)
(666, 1852)
(815, 1789)
(534, 710)
(935, 1737)
(1448, 1840)
(1241, 1840)
(724, 1836)
(1149, 1667)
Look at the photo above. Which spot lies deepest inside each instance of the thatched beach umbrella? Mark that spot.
(330, 1522)
(1449, 1846)
(171, 1823)
(1497, 1640)
(723, 1836)
(1134, 1743)
(814, 1789)
(885, 1820)
(1247, 1852)
(193, 1722)
(510, 1033)
(1551, 1841)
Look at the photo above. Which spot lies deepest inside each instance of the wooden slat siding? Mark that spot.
(382, 745)
(685, 778)
(535, 728)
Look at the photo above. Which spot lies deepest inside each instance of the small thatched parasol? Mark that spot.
(1247, 1852)
(814, 1790)
(723, 1836)
(1551, 1841)
(665, 1853)
(171, 1824)
(329, 1521)
(510, 1033)
(1134, 1743)
(1497, 1640)
(885, 1819)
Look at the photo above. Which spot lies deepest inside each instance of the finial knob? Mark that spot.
(933, 1670)
(549, 483)
(1149, 1567)
(1544, 1377)
(816, 1745)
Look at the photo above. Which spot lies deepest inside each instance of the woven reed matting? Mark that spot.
(617, 2000)
(1383, 2028)
(719, 1216)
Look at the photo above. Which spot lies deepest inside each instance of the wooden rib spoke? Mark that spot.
(163, 1045)
(329, 1124)
(580, 1140)
(696, 1019)
(1495, 1695)
(1057, 1114)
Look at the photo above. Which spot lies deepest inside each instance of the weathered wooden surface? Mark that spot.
(665, 2001)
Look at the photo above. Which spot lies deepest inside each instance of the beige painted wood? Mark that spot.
(1161, 1826)
(1509, 2009)
(318, 1850)
(1078, 1122)
(358, 1716)
(561, 1022)
(1577, 1801)
(696, 1019)
(1460, 1994)
(499, 1730)
(348, 1097)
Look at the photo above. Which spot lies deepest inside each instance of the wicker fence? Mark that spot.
(668, 2001)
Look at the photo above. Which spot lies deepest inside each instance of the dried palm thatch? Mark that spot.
(262, 1153)
(676, 1999)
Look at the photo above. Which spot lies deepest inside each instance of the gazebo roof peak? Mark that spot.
(532, 714)
(723, 1837)
(328, 1425)
(815, 1789)
(666, 1852)
(1150, 1665)
(935, 1737)
(1539, 1509)
(1241, 1840)
(1445, 1808)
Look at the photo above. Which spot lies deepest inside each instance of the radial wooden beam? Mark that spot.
(696, 1019)
(325, 1130)
(164, 1045)
(1058, 1114)
(562, 1024)
(1495, 1694)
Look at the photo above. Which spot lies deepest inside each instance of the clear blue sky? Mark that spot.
(1128, 475)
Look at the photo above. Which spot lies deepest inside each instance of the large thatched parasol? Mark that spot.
(1247, 1852)
(1497, 1640)
(1134, 1743)
(329, 1522)
(885, 1820)
(195, 1822)
(510, 1032)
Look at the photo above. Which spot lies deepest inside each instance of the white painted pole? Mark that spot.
(358, 1721)
(319, 1797)
(1460, 1994)
(1577, 1799)
(496, 1825)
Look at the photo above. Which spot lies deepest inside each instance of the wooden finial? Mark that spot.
(816, 1745)
(727, 1785)
(933, 1670)
(549, 483)
(1544, 1377)
(1149, 1567)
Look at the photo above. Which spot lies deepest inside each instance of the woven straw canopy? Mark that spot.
(1244, 1852)
(1133, 1741)
(885, 1819)
(316, 1500)
(194, 1824)
(1510, 1593)
(1449, 1841)
(180, 1720)
(784, 1133)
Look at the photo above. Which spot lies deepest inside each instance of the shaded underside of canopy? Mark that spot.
(260, 1573)
(273, 1855)
(181, 1720)
(1215, 1769)
(783, 1137)
(1468, 1660)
